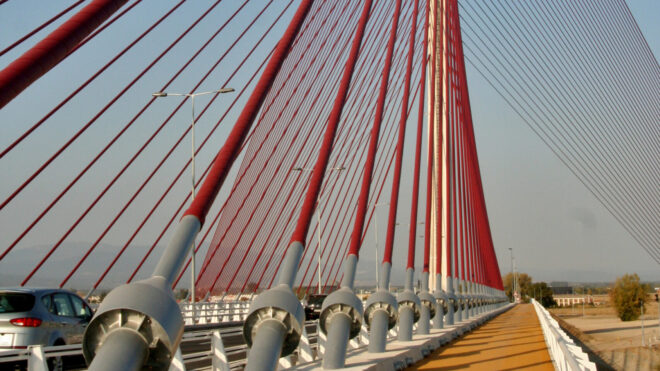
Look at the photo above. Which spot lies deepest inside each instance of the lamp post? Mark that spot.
(318, 217)
(513, 280)
(376, 235)
(162, 94)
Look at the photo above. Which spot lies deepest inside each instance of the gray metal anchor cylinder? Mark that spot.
(341, 320)
(335, 355)
(406, 318)
(452, 305)
(151, 317)
(409, 306)
(426, 312)
(122, 351)
(265, 350)
(378, 331)
(380, 314)
(277, 305)
(459, 308)
(441, 308)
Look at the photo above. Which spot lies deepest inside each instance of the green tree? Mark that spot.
(524, 283)
(181, 294)
(543, 293)
(627, 295)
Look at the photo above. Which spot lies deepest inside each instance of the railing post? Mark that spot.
(177, 362)
(305, 349)
(218, 356)
(37, 358)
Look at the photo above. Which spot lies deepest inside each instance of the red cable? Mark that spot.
(75, 92)
(120, 173)
(356, 235)
(53, 48)
(394, 199)
(240, 180)
(45, 24)
(228, 153)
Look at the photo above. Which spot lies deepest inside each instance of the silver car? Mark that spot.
(41, 316)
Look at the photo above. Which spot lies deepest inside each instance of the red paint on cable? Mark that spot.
(53, 48)
(394, 199)
(229, 151)
(43, 25)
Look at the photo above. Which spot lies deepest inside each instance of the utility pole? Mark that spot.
(641, 305)
(162, 94)
(512, 277)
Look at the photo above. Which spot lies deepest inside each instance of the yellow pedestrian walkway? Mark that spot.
(511, 341)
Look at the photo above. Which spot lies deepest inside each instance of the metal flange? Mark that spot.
(443, 299)
(146, 309)
(453, 301)
(382, 300)
(280, 304)
(345, 301)
(427, 300)
(409, 299)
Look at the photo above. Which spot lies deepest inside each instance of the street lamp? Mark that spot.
(318, 217)
(376, 236)
(162, 94)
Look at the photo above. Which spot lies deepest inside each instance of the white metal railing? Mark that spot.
(310, 349)
(37, 355)
(213, 312)
(565, 354)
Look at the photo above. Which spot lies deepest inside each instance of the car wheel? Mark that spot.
(56, 363)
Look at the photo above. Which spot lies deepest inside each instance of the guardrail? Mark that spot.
(37, 355)
(213, 312)
(563, 351)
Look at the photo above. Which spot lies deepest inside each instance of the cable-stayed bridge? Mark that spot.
(309, 119)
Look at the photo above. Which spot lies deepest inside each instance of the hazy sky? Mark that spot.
(557, 229)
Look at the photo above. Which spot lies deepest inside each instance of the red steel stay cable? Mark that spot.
(321, 164)
(412, 235)
(228, 153)
(394, 199)
(41, 27)
(136, 155)
(306, 94)
(77, 90)
(53, 48)
(262, 178)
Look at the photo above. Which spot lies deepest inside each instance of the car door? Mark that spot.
(83, 314)
(65, 314)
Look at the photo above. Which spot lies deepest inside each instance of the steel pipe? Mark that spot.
(378, 331)
(265, 351)
(122, 350)
(338, 336)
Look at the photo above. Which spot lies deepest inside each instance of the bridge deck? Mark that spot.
(512, 341)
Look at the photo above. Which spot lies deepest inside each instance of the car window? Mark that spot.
(47, 301)
(79, 307)
(62, 305)
(11, 302)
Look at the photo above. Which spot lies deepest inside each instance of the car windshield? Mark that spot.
(11, 302)
(315, 299)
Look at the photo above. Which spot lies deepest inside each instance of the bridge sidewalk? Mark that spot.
(401, 354)
(512, 341)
